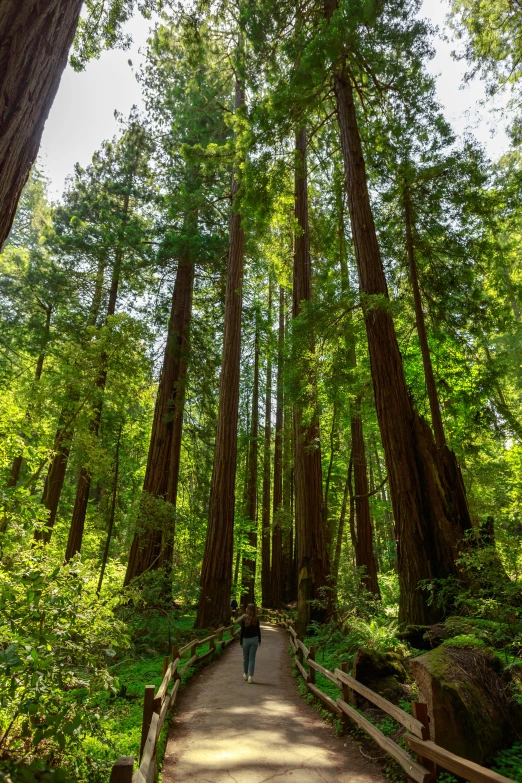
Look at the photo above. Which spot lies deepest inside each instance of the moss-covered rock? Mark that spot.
(383, 672)
(468, 699)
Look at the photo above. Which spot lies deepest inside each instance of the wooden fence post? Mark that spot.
(148, 711)
(165, 666)
(420, 711)
(220, 636)
(348, 694)
(193, 647)
(313, 651)
(212, 643)
(122, 771)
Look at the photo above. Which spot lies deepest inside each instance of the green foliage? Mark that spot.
(508, 762)
(58, 639)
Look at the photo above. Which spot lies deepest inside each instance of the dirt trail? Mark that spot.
(227, 730)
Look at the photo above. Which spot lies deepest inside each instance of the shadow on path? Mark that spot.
(228, 730)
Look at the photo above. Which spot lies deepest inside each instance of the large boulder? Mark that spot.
(468, 698)
(383, 672)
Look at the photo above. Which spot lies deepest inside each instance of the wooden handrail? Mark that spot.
(157, 706)
(411, 723)
(411, 767)
(459, 766)
(420, 744)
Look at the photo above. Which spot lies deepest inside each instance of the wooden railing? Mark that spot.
(430, 756)
(157, 705)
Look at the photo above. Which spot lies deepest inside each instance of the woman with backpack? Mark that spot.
(250, 640)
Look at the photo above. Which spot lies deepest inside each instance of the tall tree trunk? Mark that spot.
(266, 586)
(364, 554)
(216, 573)
(153, 547)
(313, 565)
(112, 513)
(276, 572)
(75, 538)
(429, 526)
(35, 39)
(248, 568)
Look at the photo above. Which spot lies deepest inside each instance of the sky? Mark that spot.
(82, 115)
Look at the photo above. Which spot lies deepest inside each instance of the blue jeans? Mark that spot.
(249, 655)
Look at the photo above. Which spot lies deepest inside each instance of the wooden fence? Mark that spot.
(157, 705)
(430, 757)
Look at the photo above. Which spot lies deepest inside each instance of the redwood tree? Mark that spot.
(216, 572)
(248, 566)
(276, 573)
(266, 587)
(429, 526)
(313, 567)
(152, 546)
(35, 39)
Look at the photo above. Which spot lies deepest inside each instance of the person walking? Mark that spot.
(250, 640)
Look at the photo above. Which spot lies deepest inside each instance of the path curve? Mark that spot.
(227, 731)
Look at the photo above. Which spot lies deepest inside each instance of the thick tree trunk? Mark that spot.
(276, 573)
(153, 547)
(35, 39)
(248, 567)
(216, 573)
(429, 526)
(266, 585)
(313, 565)
(364, 554)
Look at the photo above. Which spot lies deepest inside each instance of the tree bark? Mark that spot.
(313, 565)
(216, 572)
(266, 582)
(429, 525)
(248, 567)
(153, 546)
(35, 39)
(276, 573)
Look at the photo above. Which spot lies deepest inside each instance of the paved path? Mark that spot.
(227, 731)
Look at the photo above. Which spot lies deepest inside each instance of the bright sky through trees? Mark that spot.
(83, 113)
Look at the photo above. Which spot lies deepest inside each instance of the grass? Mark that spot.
(121, 710)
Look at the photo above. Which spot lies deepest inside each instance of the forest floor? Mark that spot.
(228, 730)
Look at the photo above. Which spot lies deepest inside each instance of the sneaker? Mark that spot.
(245, 677)
(249, 678)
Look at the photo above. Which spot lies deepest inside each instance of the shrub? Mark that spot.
(57, 638)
